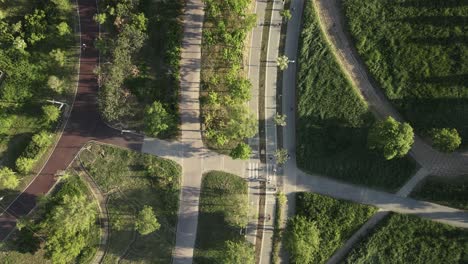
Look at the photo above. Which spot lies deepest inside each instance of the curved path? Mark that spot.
(334, 28)
(83, 124)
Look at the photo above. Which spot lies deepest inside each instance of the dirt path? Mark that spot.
(83, 125)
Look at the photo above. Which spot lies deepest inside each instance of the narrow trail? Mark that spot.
(84, 124)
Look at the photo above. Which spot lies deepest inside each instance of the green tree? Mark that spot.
(281, 156)
(35, 26)
(241, 252)
(282, 62)
(446, 139)
(241, 151)
(100, 18)
(6, 122)
(62, 5)
(280, 120)
(51, 113)
(63, 29)
(67, 226)
(392, 138)
(24, 165)
(286, 14)
(8, 178)
(55, 84)
(42, 139)
(301, 239)
(157, 119)
(19, 44)
(146, 221)
(58, 56)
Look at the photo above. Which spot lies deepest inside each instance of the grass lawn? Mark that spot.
(133, 180)
(409, 239)
(417, 51)
(336, 220)
(13, 252)
(450, 191)
(24, 88)
(223, 199)
(333, 120)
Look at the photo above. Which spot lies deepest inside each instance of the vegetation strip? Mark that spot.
(409, 239)
(223, 216)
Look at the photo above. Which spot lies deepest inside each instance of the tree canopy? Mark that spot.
(157, 119)
(392, 138)
(146, 221)
(446, 139)
(240, 252)
(241, 151)
(8, 178)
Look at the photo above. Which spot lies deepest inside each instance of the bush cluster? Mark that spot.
(226, 89)
(33, 152)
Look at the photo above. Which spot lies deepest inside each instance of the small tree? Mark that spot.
(240, 252)
(63, 29)
(58, 56)
(301, 239)
(5, 123)
(286, 14)
(24, 165)
(8, 178)
(100, 18)
(146, 221)
(446, 139)
(281, 156)
(280, 120)
(19, 44)
(241, 151)
(42, 139)
(392, 138)
(51, 113)
(157, 119)
(282, 62)
(55, 83)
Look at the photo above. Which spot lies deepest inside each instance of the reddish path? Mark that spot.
(84, 124)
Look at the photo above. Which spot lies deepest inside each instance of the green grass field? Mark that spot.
(333, 120)
(336, 220)
(223, 199)
(133, 180)
(417, 51)
(450, 191)
(409, 239)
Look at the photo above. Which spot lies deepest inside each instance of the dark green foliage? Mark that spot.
(136, 180)
(417, 52)
(223, 212)
(146, 221)
(392, 138)
(333, 120)
(450, 191)
(33, 152)
(301, 239)
(336, 220)
(402, 239)
(158, 120)
(445, 139)
(225, 89)
(148, 73)
(241, 252)
(241, 151)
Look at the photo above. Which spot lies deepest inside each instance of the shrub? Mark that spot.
(63, 29)
(8, 178)
(146, 221)
(55, 84)
(240, 252)
(301, 239)
(42, 139)
(51, 113)
(24, 165)
(100, 18)
(157, 119)
(6, 122)
(446, 139)
(241, 151)
(391, 137)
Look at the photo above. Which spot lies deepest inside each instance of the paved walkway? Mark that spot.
(84, 124)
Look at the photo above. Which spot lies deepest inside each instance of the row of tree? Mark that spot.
(227, 119)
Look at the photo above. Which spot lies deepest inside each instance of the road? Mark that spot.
(84, 124)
